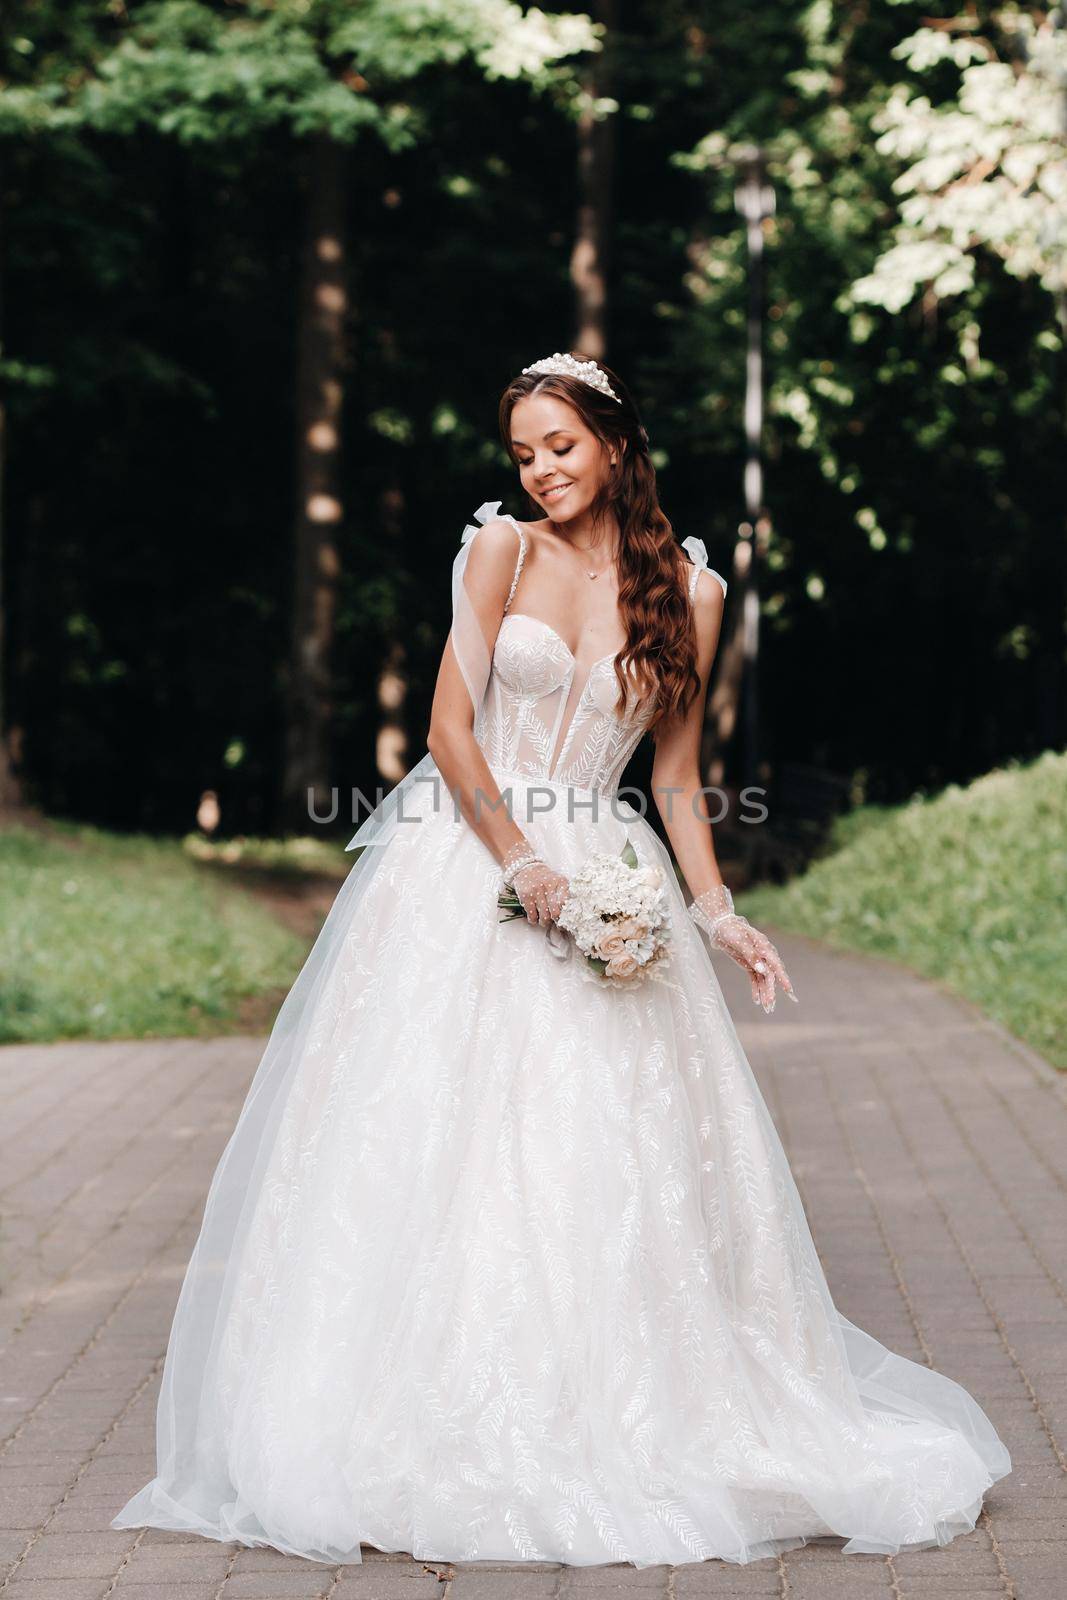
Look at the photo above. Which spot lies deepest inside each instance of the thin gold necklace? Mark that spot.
(588, 573)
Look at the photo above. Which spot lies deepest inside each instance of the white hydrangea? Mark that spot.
(617, 913)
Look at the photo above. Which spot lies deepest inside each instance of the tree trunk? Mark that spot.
(593, 225)
(10, 788)
(11, 795)
(319, 509)
(393, 743)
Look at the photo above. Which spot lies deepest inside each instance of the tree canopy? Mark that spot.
(154, 191)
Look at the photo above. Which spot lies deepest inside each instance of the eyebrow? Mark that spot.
(547, 435)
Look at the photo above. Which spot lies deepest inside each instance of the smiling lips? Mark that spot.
(556, 490)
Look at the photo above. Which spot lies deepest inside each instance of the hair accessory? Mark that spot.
(568, 367)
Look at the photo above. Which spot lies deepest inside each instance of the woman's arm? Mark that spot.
(451, 742)
(676, 764)
(677, 791)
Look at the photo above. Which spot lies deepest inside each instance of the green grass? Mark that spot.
(119, 936)
(286, 860)
(125, 936)
(968, 886)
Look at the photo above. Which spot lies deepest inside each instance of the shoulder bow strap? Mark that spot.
(490, 512)
(698, 555)
(485, 513)
(471, 649)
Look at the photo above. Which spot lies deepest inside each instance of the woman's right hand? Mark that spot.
(542, 892)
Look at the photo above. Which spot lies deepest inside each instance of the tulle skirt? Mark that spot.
(502, 1265)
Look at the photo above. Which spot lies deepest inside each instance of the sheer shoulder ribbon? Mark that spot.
(473, 656)
(698, 555)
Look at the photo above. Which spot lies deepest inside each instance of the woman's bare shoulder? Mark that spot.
(710, 596)
(537, 530)
(542, 537)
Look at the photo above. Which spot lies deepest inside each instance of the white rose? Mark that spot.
(622, 966)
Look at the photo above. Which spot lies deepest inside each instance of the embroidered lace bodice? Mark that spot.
(546, 716)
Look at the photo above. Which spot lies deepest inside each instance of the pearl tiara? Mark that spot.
(587, 371)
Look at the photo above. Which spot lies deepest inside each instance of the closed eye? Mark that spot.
(563, 452)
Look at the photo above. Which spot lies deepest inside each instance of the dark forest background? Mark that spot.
(266, 269)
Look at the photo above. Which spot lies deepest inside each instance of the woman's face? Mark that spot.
(562, 463)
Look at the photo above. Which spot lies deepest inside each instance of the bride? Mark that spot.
(504, 1261)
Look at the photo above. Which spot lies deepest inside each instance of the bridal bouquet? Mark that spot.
(616, 913)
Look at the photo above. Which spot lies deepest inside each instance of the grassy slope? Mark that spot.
(117, 936)
(969, 887)
(108, 936)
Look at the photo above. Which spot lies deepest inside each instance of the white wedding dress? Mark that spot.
(502, 1265)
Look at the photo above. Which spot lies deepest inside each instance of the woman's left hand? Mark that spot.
(753, 950)
(714, 912)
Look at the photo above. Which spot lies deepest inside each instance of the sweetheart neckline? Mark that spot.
(612, 655)
(564, 746)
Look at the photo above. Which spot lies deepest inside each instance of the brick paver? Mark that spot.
(931, 1154)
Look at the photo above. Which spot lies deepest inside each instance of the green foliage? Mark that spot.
(913, 475)
(967, 886)
(287, 859)
(153, 185)
(986, 170)
(208, 74)
(109, 936)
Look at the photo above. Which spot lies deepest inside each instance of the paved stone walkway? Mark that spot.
(931, 1153)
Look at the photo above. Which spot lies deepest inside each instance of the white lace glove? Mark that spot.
(714, 912)
(540, 889)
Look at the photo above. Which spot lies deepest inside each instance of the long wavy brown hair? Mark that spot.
(653, 568)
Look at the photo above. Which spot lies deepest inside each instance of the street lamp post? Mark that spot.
(754, 200)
